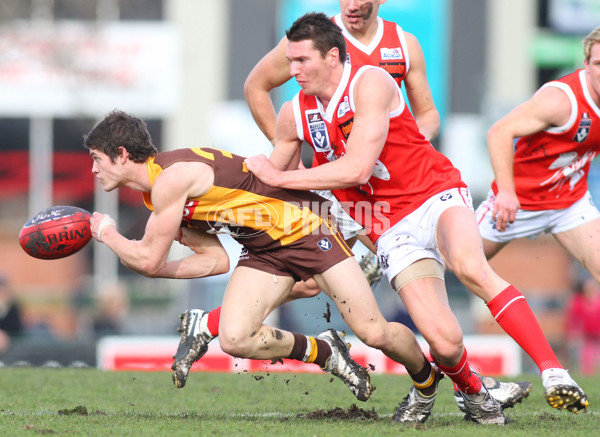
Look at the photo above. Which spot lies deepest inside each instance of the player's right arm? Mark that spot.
(171, 190)
(548, 107)
(272, 71)
(285, 155)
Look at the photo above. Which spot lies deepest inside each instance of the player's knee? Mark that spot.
(447, 350)
(236, 345)
(471, 270)
(375, 336)
(305, 289)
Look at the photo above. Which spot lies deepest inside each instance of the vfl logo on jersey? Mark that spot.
(389, 54)
(346, 127)
(584, 128)
(318, 131)
(324, 244)
(343, 108)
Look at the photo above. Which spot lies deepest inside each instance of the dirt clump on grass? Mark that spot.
(339, 413)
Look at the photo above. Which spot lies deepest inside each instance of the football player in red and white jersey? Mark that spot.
(542, 181)
(370, 40)
(352, 116)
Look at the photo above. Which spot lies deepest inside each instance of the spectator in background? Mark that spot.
(11, 324)
(583, 324)
(112, 306)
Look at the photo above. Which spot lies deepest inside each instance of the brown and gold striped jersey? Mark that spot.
(255, 214)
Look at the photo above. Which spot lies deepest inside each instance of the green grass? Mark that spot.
(90, 402)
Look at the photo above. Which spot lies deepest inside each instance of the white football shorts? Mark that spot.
(414, 237)
(530, 224)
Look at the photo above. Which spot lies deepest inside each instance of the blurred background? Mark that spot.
(181, 66)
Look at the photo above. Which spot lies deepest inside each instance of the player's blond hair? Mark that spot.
(592, 38)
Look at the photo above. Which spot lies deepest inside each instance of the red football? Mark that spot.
(56, 232)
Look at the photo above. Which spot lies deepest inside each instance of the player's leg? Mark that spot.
(583, 242)
(493, 240)
(491, 248)
(198, 327)
(251, 295)
(460, 243)
(421, 288)
(346, 285)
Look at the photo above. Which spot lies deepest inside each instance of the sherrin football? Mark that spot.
(56, 232)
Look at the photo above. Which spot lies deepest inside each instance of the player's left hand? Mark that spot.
(263, 169)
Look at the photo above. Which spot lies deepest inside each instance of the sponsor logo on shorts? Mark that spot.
(446, 196)
(244, 253)
(325, 244)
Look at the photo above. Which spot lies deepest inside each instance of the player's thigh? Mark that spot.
(250, 296)
(458, 237)
(347, 286)
(583, 242)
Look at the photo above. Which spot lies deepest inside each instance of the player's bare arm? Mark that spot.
(286, 153)
(169, 195)
(418, 91)
(209, 257)
(272, 71)
(548, 107)
(375, 95)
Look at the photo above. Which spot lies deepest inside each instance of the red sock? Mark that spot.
(513, 314)
(464, 379)
(213, 321)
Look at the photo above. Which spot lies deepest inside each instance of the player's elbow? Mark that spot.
(250, 85)
(148, 267)
(353, 178)
(150, 271)
(498, 131)
(221, 265)
(361, 174)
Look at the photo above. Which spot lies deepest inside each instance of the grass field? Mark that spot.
(38, 401)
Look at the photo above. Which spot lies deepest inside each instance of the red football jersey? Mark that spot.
(387, 49)
(551, 167)
(408, 172)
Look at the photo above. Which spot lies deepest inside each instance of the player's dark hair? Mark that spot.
(121, 129)
(321, 30)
